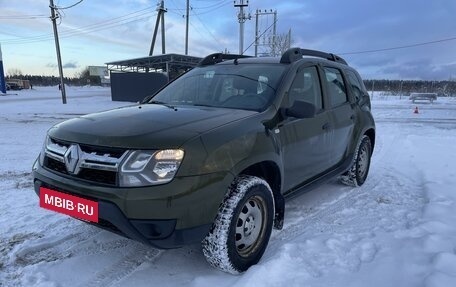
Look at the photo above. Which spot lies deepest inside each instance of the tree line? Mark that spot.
(81, 79)
(397, 87)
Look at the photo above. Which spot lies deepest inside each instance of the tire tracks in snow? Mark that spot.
(58, 249)
(136, 255)
(67, 240)
(349, 221)
(344, 200)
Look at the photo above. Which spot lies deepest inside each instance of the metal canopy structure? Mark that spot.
(172, 64)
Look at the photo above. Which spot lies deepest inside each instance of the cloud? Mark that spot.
(71, 65)
(95, 32)
(68, 65)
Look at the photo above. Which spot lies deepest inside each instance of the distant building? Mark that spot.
(102, 72)
(23, 84)
(133, 80)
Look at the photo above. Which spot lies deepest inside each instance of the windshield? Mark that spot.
(247, 87)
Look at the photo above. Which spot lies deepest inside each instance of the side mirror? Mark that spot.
(365, 101)
(301, 110)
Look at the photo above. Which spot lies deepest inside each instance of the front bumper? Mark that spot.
(165, 216)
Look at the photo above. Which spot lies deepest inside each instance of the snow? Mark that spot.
(396, 230)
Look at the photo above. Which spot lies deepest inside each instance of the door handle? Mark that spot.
(326, 126)
(352, 117)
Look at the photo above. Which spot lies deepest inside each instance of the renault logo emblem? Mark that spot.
(71, 159)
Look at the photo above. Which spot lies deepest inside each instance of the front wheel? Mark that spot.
(357, 173)
(241, 231)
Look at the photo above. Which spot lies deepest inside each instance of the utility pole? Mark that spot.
(273, 40)
(256, 32)
(242, 17)
(160, 16)
(57, 47)
(2, 75)
(186, 27)
(289, 38)
(163, 10)
(274, 34)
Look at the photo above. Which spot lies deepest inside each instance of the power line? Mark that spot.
(102, 25)
(211, 8)
(261, 35)
(68, 7)
(69, 34)
(215, 8)
(22, 17)
(199, 19)
(400, 47)
(206, 28)
(213, 5)
(219, 4)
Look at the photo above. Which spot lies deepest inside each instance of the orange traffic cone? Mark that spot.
(416, 111)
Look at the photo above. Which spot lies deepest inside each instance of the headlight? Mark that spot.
(142, 167)
(43, 151)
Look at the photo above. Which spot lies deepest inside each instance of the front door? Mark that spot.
(305, 142)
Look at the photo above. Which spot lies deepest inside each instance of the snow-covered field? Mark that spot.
(399, 229)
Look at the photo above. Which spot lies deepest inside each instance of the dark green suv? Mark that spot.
(211, 157)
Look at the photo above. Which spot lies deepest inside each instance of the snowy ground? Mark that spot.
(397, 230)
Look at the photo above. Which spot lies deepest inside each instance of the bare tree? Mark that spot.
(13, 72)
(86, 78)
(279, 44)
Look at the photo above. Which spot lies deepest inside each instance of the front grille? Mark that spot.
(90, 163)
(100, 176)
(55, 165)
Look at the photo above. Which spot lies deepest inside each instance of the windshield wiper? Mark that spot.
(163, 104)
(204, 105)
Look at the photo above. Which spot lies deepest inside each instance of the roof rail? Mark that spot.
(294, 54)
(213, 59)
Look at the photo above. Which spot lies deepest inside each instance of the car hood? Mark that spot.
(147, 126)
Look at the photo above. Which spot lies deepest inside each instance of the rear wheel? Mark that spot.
(241, 231)
(357, 173)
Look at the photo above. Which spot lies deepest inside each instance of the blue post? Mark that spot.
(2, 75)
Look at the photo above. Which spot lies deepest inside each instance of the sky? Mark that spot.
(383, 39)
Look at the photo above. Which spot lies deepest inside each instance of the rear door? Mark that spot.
(305, 142)
(342, 116)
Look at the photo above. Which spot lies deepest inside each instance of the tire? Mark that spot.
(357, 174)
(241, 230)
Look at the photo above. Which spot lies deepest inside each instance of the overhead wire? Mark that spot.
(102, 25)
(107, 24)
(192, 13)
(213, 5)
(399, 47)
(206, 28)
(22, 17)
(190, 22)
(205, 7)
(68, 7)
(213, 9)
(261, 35)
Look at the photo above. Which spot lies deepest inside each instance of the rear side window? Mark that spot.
(336, 86)
(355, 84)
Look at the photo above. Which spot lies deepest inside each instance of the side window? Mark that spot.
(306, 87)
(336, 87)
(354, 83)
